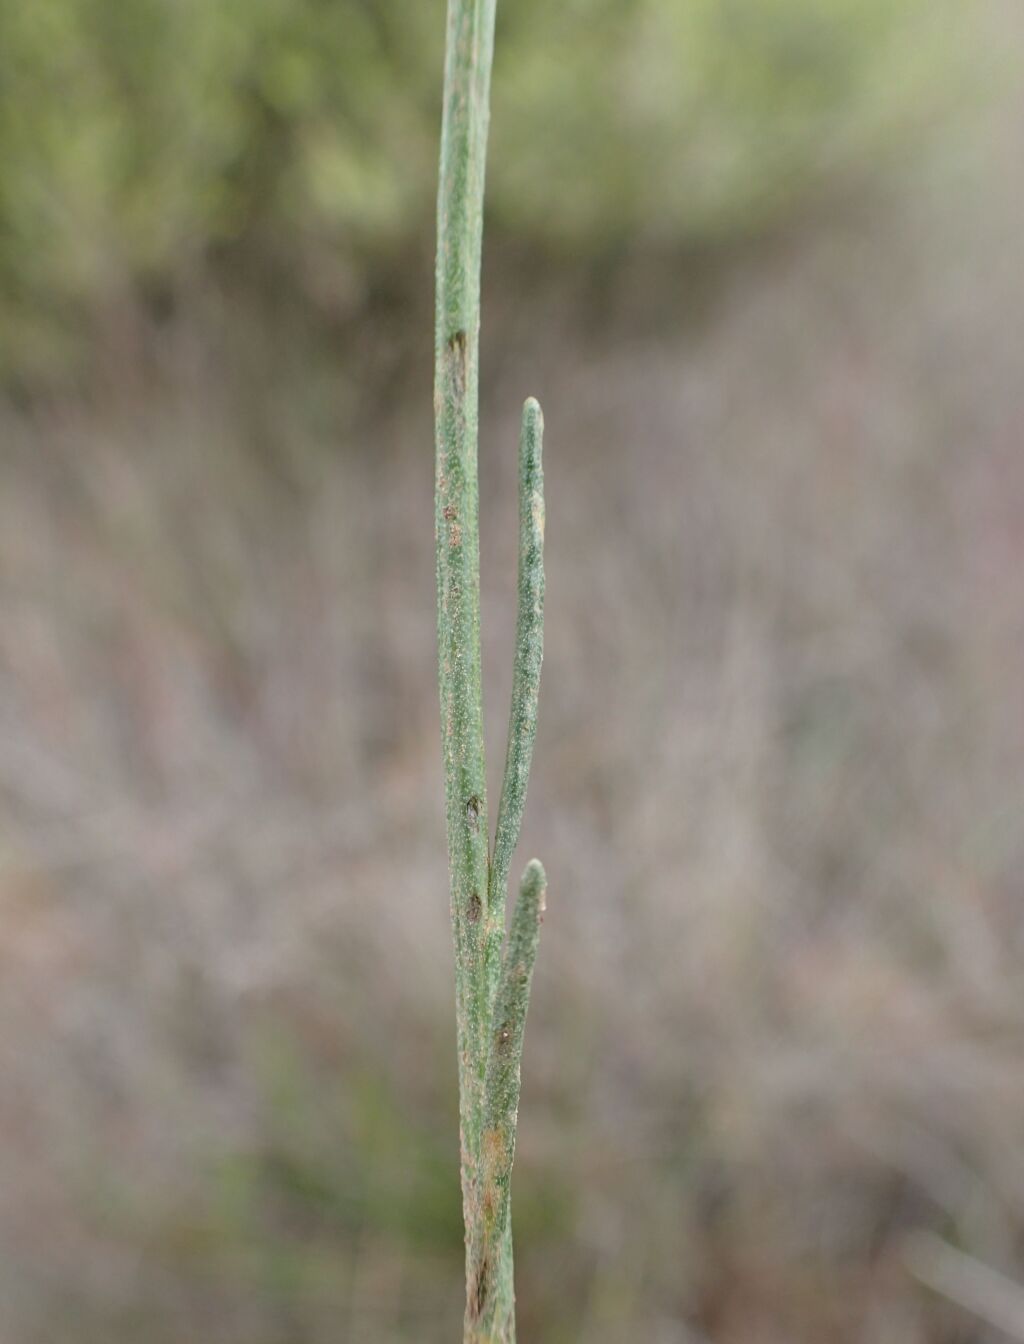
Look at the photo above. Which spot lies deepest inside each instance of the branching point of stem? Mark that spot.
(491, 989)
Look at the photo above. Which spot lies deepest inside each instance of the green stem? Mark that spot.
(459, 231)
(522, 724)
(489, 989)
(490, 1242)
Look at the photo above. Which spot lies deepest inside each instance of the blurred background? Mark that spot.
(763, 263)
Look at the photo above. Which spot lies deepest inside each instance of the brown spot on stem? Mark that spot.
(473, 812)
(474, 908)
(494, 1152)
(459, 353)
(480, 1289)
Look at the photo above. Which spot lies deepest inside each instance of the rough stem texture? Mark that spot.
(491, 982)
(522, 725)
(490, 1241)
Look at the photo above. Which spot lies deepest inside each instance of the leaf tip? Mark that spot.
(533, 416)
(534, 883)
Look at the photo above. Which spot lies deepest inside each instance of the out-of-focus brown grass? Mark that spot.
(778, 787)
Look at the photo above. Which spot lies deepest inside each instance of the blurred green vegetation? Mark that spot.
(143, 140)
(338, 1163)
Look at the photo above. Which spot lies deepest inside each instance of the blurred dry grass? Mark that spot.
(779, 1021)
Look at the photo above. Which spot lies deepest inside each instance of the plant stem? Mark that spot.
(491, 987)
(459, 229)
(522, 725)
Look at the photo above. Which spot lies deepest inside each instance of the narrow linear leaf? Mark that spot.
(491, 1302)
(529, 655)
(501, 1104)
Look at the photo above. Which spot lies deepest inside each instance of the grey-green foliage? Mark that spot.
(138, 136)
(492, 973)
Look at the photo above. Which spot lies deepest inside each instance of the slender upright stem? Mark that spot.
(491, 985)
(522, 724)
(459, 230)
(490, 1241)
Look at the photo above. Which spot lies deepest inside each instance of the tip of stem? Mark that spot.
(534, 882)
(532, 413)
